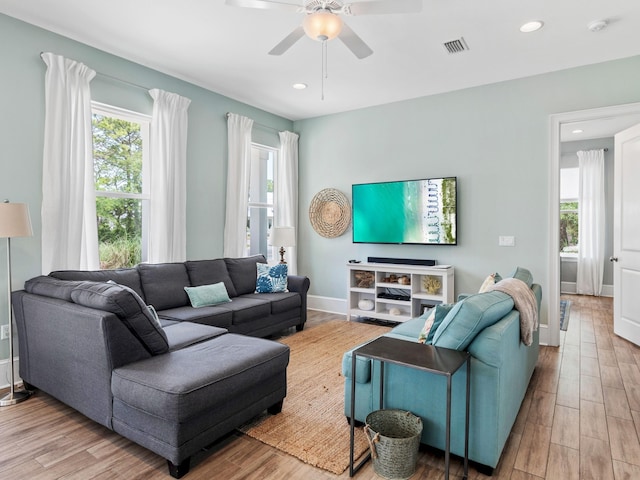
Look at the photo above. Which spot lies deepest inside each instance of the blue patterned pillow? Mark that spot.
(271, 279)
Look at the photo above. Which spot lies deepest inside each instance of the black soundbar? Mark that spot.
(402, 261)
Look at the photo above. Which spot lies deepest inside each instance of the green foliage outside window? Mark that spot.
(117, 151)
(569, 227)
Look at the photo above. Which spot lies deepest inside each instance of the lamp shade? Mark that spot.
(322, 25)
(15, 220)
(283, 236)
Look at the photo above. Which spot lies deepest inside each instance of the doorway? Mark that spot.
(615, 119)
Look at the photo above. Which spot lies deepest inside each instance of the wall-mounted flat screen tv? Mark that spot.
(410, 211)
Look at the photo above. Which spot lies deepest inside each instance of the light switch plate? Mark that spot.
(507, 241)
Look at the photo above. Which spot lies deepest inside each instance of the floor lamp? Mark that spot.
(14, 222)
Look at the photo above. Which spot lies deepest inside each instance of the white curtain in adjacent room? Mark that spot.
(69, 225)
(238, 175)
(168, 168)
(286, 191)
(591, 226)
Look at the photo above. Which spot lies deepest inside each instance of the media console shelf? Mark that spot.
(396, 292)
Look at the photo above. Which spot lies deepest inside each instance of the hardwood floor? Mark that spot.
(580, 420)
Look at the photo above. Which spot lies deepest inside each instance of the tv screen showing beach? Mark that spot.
(411, 211)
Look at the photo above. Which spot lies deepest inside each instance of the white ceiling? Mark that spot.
(224, 48)
(605, 127)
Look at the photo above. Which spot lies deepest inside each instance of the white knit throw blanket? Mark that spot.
(525, 302)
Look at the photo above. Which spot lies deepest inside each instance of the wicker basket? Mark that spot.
(394, 439)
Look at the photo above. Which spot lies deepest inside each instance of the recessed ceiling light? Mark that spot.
(531, 26)
(597, 25)
(577, 130)
(299, 86)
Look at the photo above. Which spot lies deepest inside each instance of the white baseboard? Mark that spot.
(570, 289)
(327, 304)
(4, 372)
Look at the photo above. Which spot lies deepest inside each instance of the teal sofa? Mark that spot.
(486, 325)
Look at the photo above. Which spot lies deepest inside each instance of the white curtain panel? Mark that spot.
(591, 227)
(238, 175)
(69, 226)
(168, 159)
(286, 192)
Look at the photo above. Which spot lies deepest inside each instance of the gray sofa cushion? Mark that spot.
(183, 334)
(163, 284)
(280, 302)
(215, 316)
(129, 307)
(124, 276)
(51, 287)
(243, 272)
(247, 309)
(208, 272)
(183, 383)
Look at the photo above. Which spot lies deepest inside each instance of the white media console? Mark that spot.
(395, 292)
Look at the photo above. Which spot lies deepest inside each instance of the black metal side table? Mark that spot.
(437, 360)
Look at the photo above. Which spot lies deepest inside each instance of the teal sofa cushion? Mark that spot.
(469, 317)
(524, 275)
(432, 321)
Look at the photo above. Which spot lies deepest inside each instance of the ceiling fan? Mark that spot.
(323, 22)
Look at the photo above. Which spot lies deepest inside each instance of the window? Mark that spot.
(569, 216)
(120, 160)
(260, 215)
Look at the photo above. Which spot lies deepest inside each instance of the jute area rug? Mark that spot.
(312, 425)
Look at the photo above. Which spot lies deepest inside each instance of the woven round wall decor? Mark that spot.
(330, 213)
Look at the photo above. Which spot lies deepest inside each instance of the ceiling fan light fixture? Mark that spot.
(322, 25)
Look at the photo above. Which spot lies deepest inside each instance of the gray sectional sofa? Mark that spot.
(175, 382)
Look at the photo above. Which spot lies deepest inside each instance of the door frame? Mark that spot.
(551, 334)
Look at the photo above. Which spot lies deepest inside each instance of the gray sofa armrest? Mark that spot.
(300, 284)
(69, 351)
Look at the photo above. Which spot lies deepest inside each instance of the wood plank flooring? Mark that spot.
(580, 420)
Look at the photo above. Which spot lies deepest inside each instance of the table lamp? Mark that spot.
(14, 222)
(283, 237)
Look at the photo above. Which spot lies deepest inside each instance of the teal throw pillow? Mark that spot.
(208, 295)
(271, 279)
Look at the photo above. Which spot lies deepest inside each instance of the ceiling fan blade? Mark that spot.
(354, 42)
(288, 41)
(263, 4)
(380, 7)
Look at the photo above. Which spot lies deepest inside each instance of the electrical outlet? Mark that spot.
(4, 333)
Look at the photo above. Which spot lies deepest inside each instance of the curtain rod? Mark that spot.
(110, 77)
(258, 124)
(587, 149)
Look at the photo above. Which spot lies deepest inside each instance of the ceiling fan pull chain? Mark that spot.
(324, 66)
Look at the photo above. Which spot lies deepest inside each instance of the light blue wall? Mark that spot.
(494, 138)
(22, 131)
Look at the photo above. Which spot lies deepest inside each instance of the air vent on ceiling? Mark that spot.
(456, 46)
